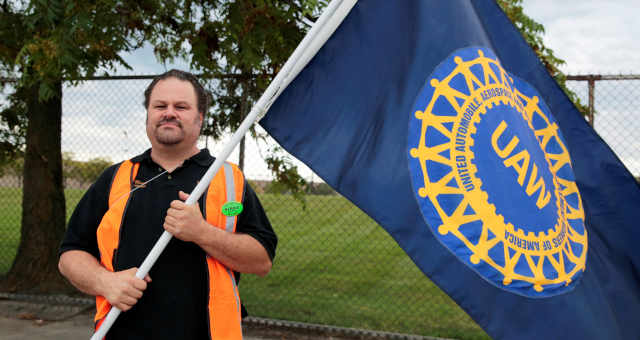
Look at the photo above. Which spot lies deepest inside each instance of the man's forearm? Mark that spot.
(122, 289)
(239, 252)
(82, 270)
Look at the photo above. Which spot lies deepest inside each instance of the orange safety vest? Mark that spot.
(224, 301)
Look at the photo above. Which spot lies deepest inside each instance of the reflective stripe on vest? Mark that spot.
(223, 301)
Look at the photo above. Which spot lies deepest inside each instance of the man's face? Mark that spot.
(172, 115)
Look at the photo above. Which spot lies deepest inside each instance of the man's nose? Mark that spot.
(170, 112)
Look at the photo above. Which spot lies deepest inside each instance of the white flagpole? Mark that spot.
(313, 40)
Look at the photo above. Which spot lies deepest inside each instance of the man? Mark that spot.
(193, 294)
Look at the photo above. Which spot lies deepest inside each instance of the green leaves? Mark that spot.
(13, 127)
(71, 39)
(84, 173)
(43, 42)
(287, 179)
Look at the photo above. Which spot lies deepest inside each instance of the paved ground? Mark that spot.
(77, 327)
(26, 320)
(30, 319)
(34, 320)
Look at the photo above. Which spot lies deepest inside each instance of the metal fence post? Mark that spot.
(592, 86)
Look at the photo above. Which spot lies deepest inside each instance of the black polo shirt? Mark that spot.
(174, 305)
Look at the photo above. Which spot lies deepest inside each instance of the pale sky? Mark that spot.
(592, 36)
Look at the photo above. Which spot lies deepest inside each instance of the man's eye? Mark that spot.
(160, 106)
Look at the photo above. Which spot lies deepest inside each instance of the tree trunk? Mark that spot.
(241, 155)
(244, 112)
(35, 268)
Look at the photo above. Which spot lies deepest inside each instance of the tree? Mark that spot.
(82, 173)
(13, 127)
(43, 43)
(46, 42)
(260, 40)
(13, 168)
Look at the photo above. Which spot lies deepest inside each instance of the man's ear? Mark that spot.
(201, 122)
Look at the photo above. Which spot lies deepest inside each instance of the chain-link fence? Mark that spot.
(334, 265)
(613, 101)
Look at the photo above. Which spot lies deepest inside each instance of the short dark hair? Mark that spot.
(201, 94)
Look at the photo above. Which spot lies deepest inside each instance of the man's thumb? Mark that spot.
(182, 195)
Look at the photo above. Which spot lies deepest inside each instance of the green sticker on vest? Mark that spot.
(232, 208)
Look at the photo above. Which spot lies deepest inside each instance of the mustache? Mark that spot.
(170, 120)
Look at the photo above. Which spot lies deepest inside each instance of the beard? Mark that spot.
(169, 136)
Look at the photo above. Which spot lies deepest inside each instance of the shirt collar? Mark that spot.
(202, 158)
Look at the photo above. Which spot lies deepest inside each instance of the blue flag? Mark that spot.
(438, 120)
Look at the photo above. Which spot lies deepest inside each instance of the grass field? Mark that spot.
(11, 215)
(334, 266)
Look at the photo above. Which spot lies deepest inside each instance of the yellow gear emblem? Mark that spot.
(535, 262)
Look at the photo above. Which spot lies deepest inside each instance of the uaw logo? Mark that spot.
(493, 177)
